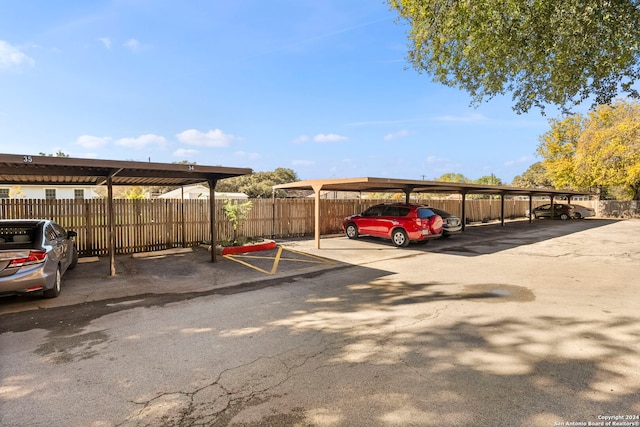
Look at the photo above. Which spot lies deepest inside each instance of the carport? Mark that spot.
(369, 184)
(39, 170)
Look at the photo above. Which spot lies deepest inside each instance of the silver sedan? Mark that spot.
(34, 254)
(451, 223)
(579, 211)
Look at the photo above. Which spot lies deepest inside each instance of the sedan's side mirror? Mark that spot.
(71, 234)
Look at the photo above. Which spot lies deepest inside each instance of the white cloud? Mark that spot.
(143, 141)
(303, 162)
(92, 142)
(434, 159)
(523, 159)
(471, 118)
(106, 41)
(332, 137)
(250, 156)
(301, 139)
(132, 44)
(12, 57)
(185, 152)
(213, 138)
(399, 134)
(384, 122)
(87, 155)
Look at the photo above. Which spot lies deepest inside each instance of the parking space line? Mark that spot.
(308, 258)
(236, 259)
(321, 260)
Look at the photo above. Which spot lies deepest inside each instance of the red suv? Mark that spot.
(399, 222)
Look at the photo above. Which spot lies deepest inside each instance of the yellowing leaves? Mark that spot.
(602, 149)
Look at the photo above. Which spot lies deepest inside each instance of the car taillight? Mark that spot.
(34, 257)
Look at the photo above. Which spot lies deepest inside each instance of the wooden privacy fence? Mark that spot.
(156, 224)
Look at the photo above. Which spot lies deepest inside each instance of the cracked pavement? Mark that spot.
(471, 332)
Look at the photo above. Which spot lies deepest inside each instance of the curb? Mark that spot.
(230, 250)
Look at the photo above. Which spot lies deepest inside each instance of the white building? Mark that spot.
(48, 192)
(200, 192)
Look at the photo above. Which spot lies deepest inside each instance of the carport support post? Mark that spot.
(316, 189)
(112, 234)
(273, 213)
(212, 217)
(182, 220)
(463, 213)
(502, 209)
(530, 208)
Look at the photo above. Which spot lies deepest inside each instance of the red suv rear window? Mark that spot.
(396, 211)
(425, 213)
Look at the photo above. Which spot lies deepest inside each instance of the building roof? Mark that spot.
(202, 191)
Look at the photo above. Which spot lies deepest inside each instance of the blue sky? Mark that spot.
(321, 87)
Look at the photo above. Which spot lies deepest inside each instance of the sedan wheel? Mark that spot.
(564, 217)
(352, 231)
(55, 290)
(400, 237)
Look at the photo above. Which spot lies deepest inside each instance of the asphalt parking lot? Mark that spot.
(523, 325)
(189, 271)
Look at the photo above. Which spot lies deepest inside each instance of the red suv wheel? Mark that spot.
(399, 237)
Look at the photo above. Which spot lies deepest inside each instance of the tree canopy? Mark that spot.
(257, 184)
(600, 149)
(488, 180)
(558, 52)
(535, 176)
(460, 178)
(453, 177)
(59, 153)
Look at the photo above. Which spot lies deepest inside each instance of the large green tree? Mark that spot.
(453, 177)
(598, 150)
(258, 184)
(558, 149)
(535, 176)
(558, 52)
(488, 180)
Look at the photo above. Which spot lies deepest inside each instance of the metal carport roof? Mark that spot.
(369, 184)
(22, 170)
(28, 169)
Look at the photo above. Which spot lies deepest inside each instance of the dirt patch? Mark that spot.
(494, 293)
(65, 349)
